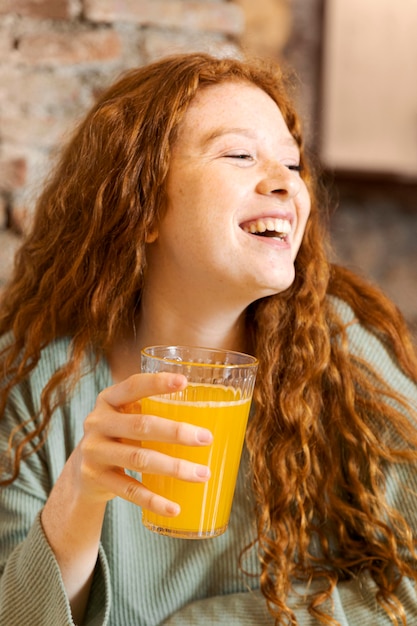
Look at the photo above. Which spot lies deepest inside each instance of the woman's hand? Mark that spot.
(113, 433)
(95, 473)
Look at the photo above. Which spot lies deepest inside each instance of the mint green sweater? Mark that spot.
(141, 578)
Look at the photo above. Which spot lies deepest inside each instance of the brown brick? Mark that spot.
(12, 173)
(267, 26)
(42, 132)
(158, 43)
(44, 9)
(6, 6)
(6, 44)
(41, 93)
(9, 242)
(70, 48)
(202, 16)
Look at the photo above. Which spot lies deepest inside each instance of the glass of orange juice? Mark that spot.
(218, 397)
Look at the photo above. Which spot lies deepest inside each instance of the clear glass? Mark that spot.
(218, 397)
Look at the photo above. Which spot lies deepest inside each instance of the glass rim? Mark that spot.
(248, 359)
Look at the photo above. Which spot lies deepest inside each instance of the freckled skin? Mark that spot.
(232, 163)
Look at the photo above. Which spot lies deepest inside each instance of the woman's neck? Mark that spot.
(159, 324)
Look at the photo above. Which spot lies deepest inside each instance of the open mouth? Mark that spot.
(272, 227)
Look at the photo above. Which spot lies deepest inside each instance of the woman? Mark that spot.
(183, 211)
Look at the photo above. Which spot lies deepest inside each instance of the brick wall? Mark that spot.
(56, 54)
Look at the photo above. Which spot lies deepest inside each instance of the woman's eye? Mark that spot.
(295, 168)
(240, 155)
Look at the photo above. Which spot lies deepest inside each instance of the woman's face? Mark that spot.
(237, 205)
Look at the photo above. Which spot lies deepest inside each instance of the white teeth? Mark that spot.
(260, 226)
(280, 226)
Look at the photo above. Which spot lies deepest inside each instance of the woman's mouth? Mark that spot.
(277, 228)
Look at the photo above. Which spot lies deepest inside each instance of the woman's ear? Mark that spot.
(152, 236)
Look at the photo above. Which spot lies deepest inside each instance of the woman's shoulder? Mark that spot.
(363, 340)
(56, 347)
(370, 346)
(53, 355)
(76, 395)
(91, 372)
(361, 337)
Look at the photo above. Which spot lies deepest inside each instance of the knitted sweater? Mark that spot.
(142, 578)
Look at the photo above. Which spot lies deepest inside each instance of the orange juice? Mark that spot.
(205, 507)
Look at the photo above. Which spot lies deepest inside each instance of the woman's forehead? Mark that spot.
(232, 107)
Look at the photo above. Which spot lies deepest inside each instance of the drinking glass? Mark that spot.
(218, 397)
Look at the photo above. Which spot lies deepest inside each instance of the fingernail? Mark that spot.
(204, 436)
(176, 382)
(202, 471)
(173, 508)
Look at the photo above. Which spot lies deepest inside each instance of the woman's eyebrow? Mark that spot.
(221, 131)
(248, 132)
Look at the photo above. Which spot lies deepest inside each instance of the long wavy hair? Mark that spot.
(315, 445)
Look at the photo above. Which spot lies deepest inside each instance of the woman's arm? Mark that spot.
(73, 514)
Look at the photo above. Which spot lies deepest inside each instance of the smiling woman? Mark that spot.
(184, 211)
(220, 182)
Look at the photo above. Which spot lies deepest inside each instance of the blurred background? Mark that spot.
(356, 64)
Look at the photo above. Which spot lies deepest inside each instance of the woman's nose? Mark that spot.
(283, 182)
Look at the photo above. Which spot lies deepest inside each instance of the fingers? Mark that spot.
(134, 491)
(107, 473)
(149, 461)
(140, 386)
(142, 427)
(119, 412)
(112, 443)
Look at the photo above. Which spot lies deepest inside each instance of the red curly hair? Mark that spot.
(316, 456)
